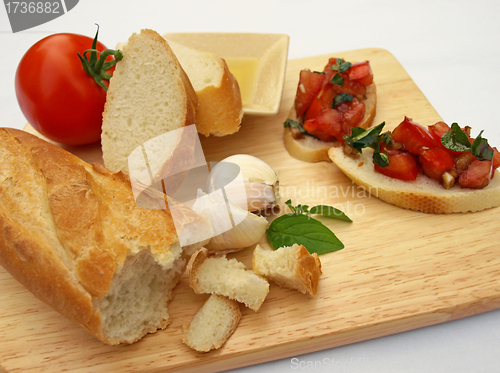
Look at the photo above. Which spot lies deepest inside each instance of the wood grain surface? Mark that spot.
(399, 270)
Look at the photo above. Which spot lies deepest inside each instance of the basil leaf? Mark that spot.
(341, 97)
(363, 139)
(481, 149)
(357, 131)
(337, 79)
(456, 139)
(344, 67)
(292, 229)
(329, 211)
(341, 66)
(381, 159)
(294, 124)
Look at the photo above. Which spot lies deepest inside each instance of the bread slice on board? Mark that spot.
(227, 277)
(149, 95)
(74, 236)
(220, 109)
(423, 194)
(213, 324)
(290, 267)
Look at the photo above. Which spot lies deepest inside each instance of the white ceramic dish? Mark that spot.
(257, 60)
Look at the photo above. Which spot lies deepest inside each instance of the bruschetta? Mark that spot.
(327, 105)
(439, 169)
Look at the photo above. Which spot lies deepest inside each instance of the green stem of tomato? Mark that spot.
(97, 67)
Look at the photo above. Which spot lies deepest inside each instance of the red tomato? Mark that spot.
(353, 112)
(322, 101)
(327, 126)
(309, 86)
(402, 165)
(435, 162)
(361, 72)
(55, 94)
(349, 86)
(413, 136)
(477, 176)
(438, 129)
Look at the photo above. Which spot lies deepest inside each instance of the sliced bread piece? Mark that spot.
(213, 324)
(220, 108)
(148, 96)
(290, 267)
(227, 277)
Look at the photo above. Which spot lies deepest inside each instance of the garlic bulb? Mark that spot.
(259, 180)
(234, 228)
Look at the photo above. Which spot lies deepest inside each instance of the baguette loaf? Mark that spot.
(423, 194)
(227, 277)
(310, 149)
(290, 267)
(220, 109)
(74, 236)
(148, 96)
(213, 324)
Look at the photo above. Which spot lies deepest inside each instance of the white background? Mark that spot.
(451, 49)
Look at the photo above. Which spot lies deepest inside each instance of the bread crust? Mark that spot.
(67, 228)
(218, 327)
(310, 149)
(424, 194)
(220, 109)
(301, 274)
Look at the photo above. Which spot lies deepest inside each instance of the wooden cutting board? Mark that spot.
(399, 270)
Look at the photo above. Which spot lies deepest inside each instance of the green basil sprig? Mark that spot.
(294, 124)
(341, 66)
(298, 227)
(337, 79)
(457, 140)
(362, 138)
(341, 97)
(370, 138)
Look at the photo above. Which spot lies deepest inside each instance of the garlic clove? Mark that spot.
(260, 182)
(253, 168)
(234, 228)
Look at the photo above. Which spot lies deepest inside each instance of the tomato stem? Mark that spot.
(97, 67)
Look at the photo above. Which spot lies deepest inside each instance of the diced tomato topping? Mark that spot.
(349, 86)
(361, 72)
(402, 165)
(477, 176)
(322, 101)
(308, 88)
(327, 126)
(435, 162)
(353, 112)
(438, 129)
(413, 136)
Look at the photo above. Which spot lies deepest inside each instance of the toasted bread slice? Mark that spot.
(310, 149)
(423, 194)
(148, 96)
(290, 267)
(227, 277)
(213, 324)
(220, 109)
